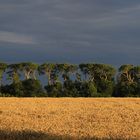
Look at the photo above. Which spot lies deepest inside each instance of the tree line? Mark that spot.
(69, 80)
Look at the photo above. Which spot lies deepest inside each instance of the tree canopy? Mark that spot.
(69, 80)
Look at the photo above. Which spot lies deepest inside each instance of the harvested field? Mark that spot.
(69, 118)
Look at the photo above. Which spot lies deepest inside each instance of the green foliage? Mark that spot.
(128, 90)
(128, 81)
(5, 95)
(13, 72)
(54, 90)
(26, 88)
(29, 70)
(3, 67)
(88, 89)
(49, 70)
(69, 80)
(105, 88)
(32, 88)
(15, 89)
(69, 89)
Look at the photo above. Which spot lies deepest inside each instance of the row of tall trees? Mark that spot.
(64, 80)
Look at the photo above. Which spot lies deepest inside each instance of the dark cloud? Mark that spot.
(104, 31)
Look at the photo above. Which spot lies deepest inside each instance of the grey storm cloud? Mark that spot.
(15, 38)
(105, 31)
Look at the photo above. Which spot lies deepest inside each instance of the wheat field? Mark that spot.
(69, 118)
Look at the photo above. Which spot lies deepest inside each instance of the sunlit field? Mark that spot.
(69, 118)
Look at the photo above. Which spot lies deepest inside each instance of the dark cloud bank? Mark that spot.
(103, 31)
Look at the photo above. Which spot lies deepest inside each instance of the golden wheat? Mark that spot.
(69, 118)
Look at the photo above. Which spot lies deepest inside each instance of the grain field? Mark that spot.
(69, 118)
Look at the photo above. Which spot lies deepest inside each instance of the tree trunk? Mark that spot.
(27, 75)
(34, 75)
(49, 77)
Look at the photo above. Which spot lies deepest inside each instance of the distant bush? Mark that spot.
(5, 95)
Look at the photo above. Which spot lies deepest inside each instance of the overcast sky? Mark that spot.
(75, 31)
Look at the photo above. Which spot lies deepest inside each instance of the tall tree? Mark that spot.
(137, 74)
(102, 77)
(84, 69)
(13, 72)
(3, 67)
(29, 70)
(47, 69)
(126, 73)
(66, 70)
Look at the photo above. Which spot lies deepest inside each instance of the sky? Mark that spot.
(72, 31)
